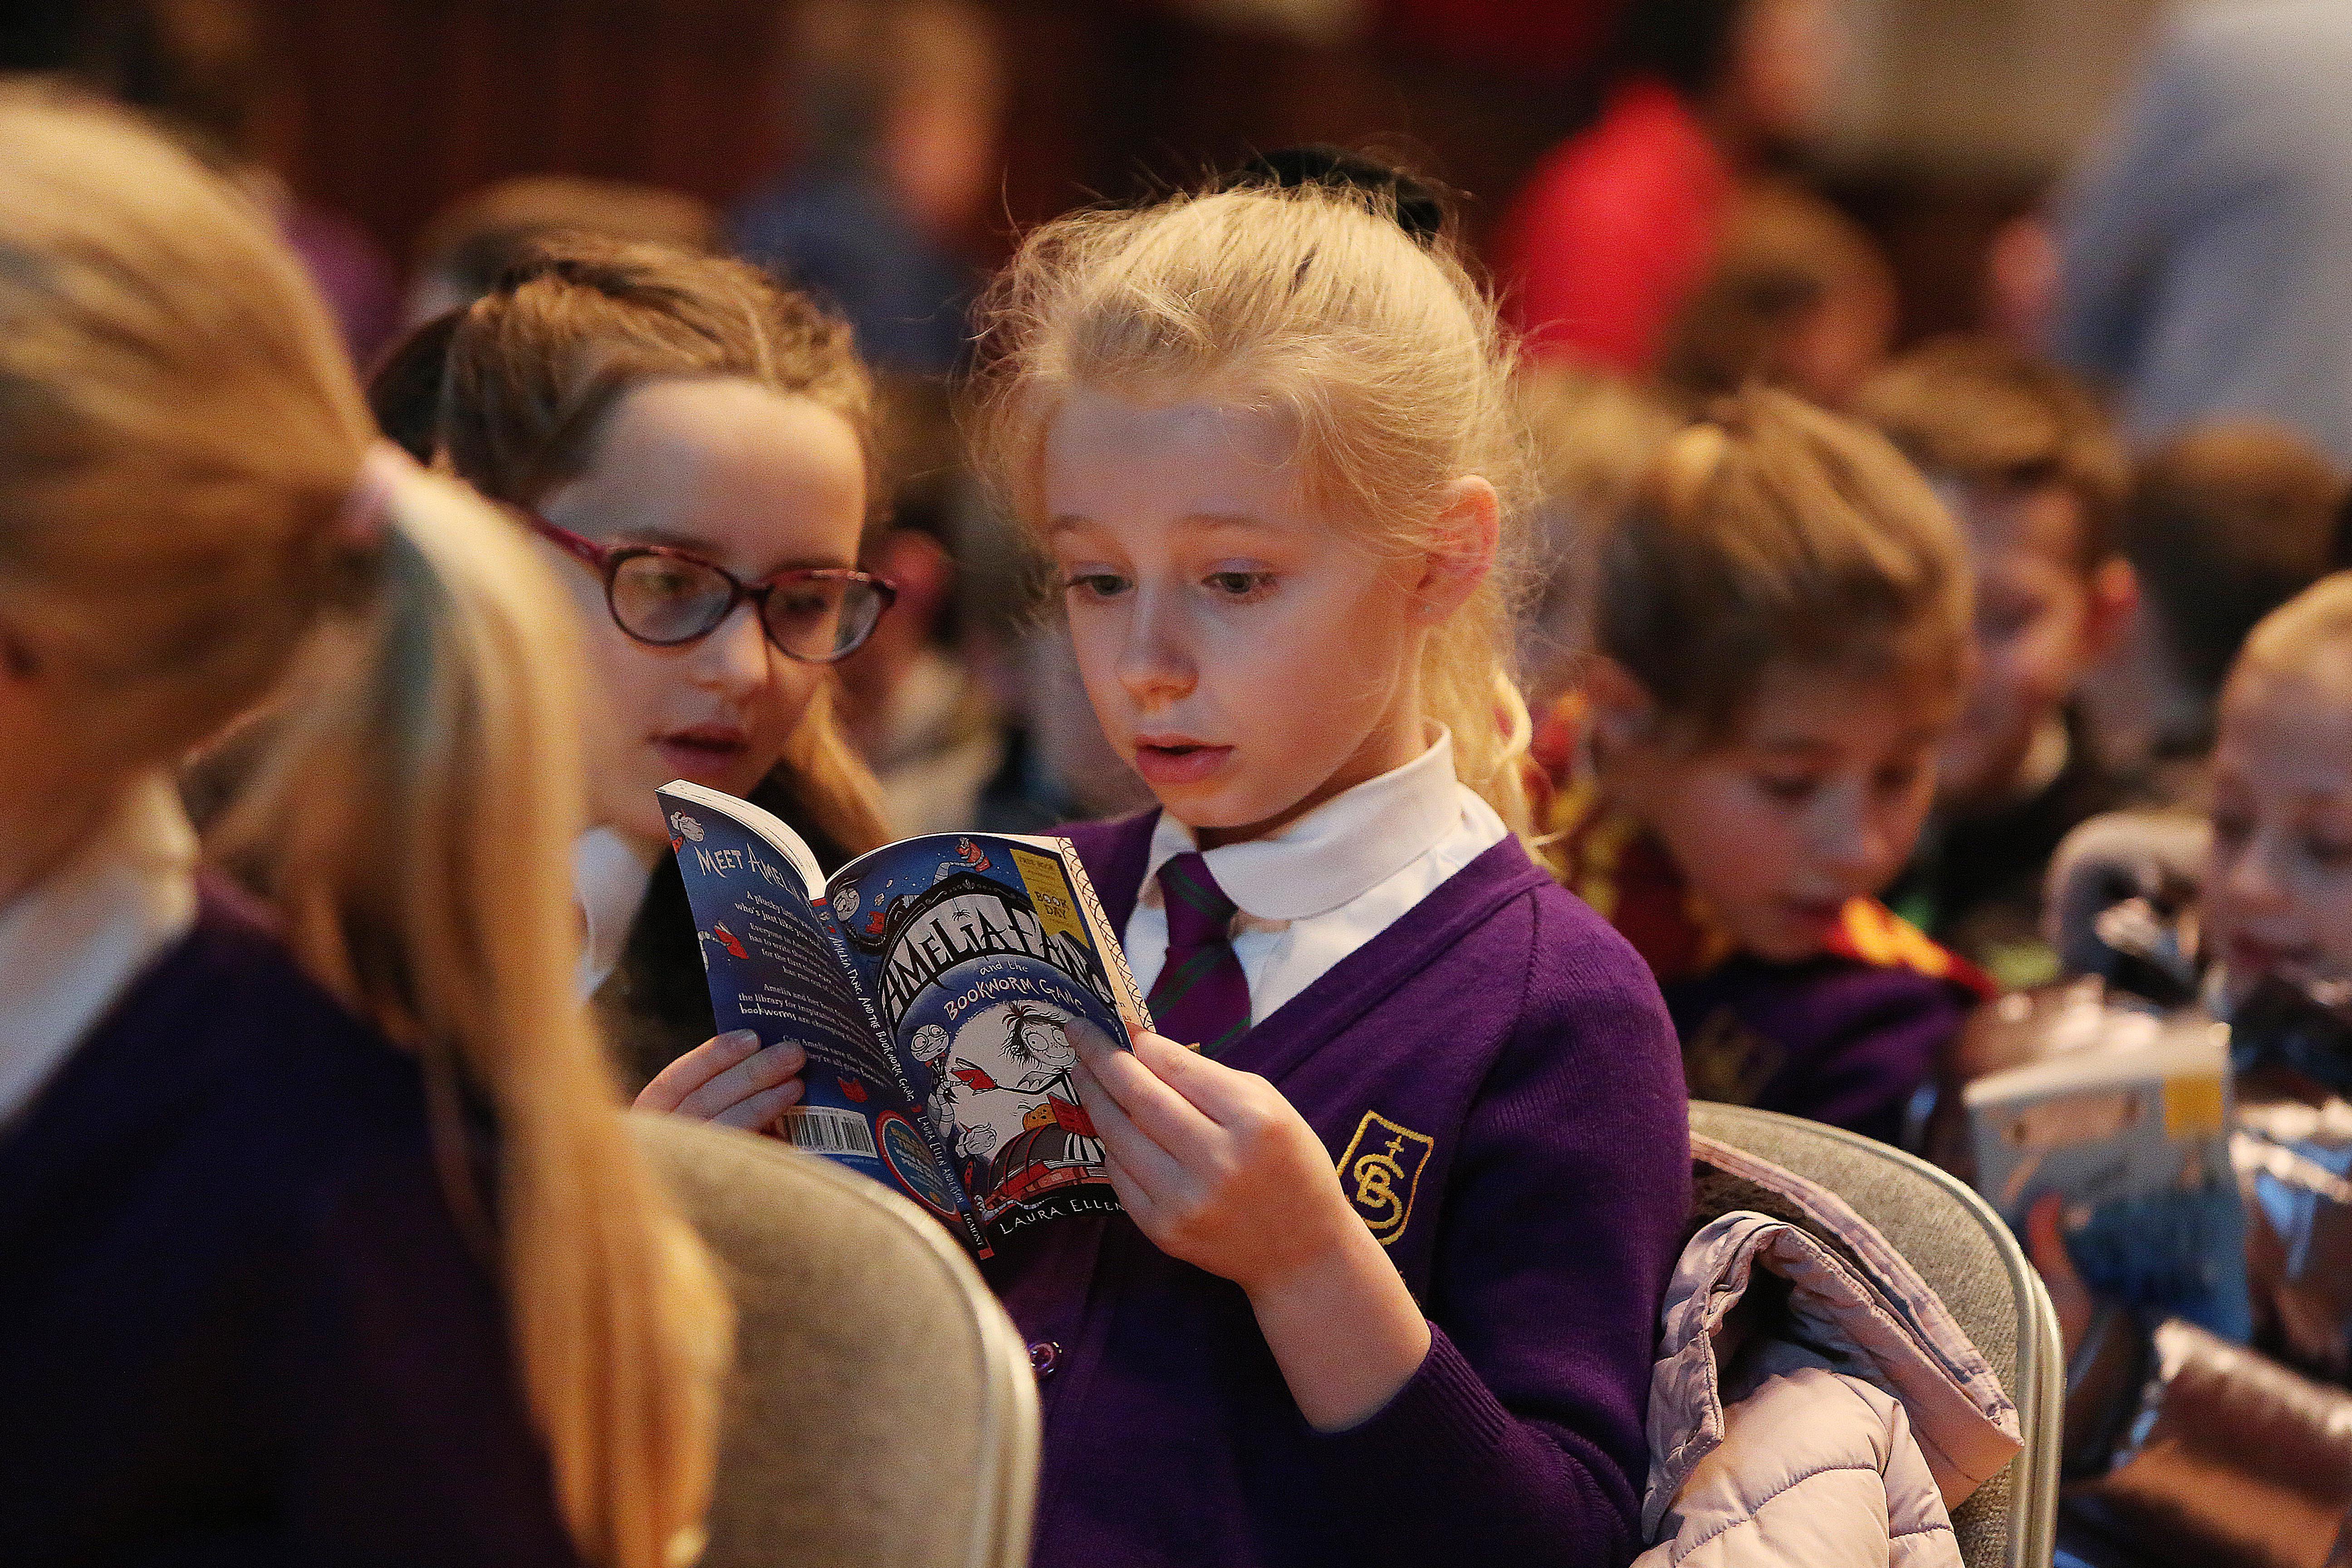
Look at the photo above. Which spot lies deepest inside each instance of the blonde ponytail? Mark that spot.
(178, 436)
(414, 826)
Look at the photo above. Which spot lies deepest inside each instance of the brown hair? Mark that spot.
(1381, 351)
(1789, 270)
(2224, 525)
(1988, 414)
(532, 369)
(471, 243)
(1773, 534)
(179, 435)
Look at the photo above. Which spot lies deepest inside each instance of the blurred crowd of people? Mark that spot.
(1866, 679)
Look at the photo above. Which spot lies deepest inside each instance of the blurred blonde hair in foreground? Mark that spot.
(180, 435)
(1381, 353)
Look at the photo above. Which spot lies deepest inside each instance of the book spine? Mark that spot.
(914, 1108)
(1108, 946)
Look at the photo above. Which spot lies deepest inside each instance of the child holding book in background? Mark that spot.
(1780, 629)
(1264, 433)
(2153, 1291)
(694, 444)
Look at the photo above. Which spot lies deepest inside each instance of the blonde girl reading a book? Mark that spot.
(1404, 1171)
(324, 1241)
(691, 444)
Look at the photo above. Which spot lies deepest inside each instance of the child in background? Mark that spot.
(1780, 629)
(2263, 932)
(1796, 296)
(691, 441)
(2036, 479)
(1266, 434)
(323, 1240)
(2223, 525)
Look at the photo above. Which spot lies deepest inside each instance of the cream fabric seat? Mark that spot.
(882, 1412)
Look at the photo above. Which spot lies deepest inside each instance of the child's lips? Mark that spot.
(1821, 912)
(1172, 760)
(703, 752)
(2248, 956)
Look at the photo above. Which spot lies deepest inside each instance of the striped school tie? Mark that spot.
(1202, 998)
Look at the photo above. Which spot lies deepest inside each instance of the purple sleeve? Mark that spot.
(1520, 1438)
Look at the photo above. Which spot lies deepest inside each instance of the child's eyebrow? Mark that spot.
(1220, 522)
(711, 550)
(1793, 745)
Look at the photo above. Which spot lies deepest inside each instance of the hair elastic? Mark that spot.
(366, 512)
(1417, 208)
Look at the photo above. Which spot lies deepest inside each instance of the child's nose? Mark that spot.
(1155, 658)
(1849, 839)
(734, 659)
(2252, 875)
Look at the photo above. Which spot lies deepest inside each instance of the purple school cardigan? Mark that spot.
(237, 1322)
(1831, 1038)
(1498, 1083)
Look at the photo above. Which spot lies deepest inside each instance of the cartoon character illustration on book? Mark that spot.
(844, 904)
(1006, 1084)
(724, 938)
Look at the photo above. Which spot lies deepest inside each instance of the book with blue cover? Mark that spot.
(940, 986)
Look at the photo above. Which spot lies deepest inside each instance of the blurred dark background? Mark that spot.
(1947, 117)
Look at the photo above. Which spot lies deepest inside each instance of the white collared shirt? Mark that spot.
(72, 944)
(1329, 882)
(609, 875)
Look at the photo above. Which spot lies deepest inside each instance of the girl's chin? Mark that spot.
(1221, 819)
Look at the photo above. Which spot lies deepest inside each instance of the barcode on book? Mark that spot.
(824, 1130)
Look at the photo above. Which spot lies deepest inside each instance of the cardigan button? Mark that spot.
(1044, 1357)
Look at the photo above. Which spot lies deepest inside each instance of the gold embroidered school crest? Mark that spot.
(1382, 1171)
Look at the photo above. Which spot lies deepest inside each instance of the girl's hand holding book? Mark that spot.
(731, 1080)
(1219, 1170)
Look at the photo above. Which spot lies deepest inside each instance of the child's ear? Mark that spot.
(1464, 540)
(1623, 711)
(18, 662)
(2114, 595)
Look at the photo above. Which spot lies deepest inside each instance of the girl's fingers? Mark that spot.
(1146, 1163)
(695, 1068)
(778, 1064)
(758, 1113)
(1214, 1089)
(2069, 1297)
(1132, 1197)
(1147, 1099)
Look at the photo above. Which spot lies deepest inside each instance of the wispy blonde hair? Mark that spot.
(179, 432)
(1380, 354)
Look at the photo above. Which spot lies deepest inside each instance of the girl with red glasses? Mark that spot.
(693, 445)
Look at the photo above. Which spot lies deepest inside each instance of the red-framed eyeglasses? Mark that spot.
(667, 596)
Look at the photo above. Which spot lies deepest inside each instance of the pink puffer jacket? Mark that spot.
(1833, 1420)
